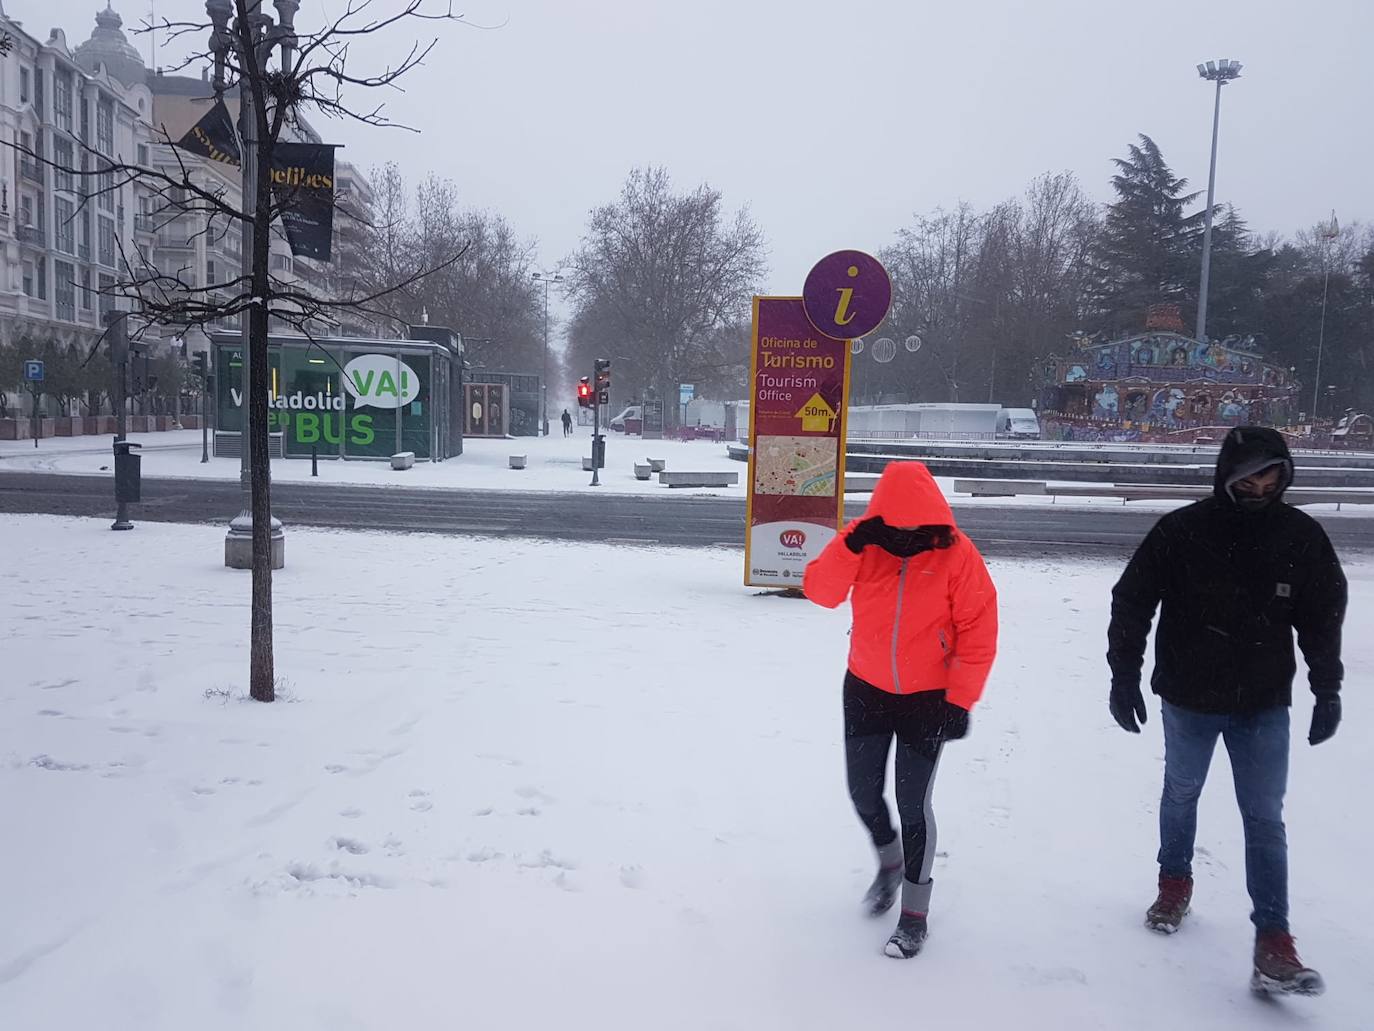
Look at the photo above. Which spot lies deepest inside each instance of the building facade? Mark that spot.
(64, 236)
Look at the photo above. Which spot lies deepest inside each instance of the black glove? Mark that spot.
(955, 725)
(1326, 717)
(868, 532)
(1128, 705)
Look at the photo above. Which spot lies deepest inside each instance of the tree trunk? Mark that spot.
(262, 677)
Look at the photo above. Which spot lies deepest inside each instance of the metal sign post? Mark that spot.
(33, 376)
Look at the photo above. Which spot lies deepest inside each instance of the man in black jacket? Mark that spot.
(1234, 576)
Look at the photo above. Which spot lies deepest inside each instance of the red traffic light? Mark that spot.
(584, 392)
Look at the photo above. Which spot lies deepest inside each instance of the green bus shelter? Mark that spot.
(349, 397)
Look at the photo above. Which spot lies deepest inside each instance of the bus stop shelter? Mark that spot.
(348, 397)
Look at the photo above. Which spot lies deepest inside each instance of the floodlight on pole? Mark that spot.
(548, 279)
(1221, 72)
(1329, 232)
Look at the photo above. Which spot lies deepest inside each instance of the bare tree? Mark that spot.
(316, 73)
(659, 277)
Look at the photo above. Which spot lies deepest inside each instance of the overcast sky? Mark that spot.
(837, 121)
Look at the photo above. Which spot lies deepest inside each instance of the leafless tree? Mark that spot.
(660, 279)
(317, 74)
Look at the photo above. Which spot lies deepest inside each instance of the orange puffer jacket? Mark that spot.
(924, 623)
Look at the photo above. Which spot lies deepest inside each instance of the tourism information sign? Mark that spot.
(798, 394)
(799, 380)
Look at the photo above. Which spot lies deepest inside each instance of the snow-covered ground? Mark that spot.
(554, 463)
(526, 785)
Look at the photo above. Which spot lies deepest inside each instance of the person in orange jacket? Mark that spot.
(922, 643)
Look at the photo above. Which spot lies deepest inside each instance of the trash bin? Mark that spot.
(128, 472)
(599, 453)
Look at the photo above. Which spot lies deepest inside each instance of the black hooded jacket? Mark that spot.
(1232, 586)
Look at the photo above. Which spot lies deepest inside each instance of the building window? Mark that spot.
(28, 279)
(107, 301)
(104, 126)
(87, 299)
(64, 287)
(85, 119)
(41, 269)
(66, 226)
(25, 210)
(105, 186)
(107, 242)
(85, 250)
(62, 158)
(62, 100)
(210, 273)
(143, 155)
(38, 97)
(25, 91)
(42, 217)
(281, 263)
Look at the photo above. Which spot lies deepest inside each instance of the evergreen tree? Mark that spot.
(1150, 245)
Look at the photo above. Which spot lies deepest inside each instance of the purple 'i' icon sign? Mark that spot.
(847, 294)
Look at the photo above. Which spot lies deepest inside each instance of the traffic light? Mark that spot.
(198, 364)
(584, 392)
(602, 367)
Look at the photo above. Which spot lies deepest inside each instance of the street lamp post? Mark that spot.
(548, 279)
(1329, 233)
(266, 36)
(1221, 72)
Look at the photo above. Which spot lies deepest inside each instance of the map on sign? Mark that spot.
(798, 466)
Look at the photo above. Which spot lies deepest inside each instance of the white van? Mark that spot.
(1017, 424)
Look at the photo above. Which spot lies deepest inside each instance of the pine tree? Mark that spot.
(1150, 246)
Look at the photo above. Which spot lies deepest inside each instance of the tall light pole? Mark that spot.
(548, 279)
(225, 40)
(1221, 72)
(1329, 233)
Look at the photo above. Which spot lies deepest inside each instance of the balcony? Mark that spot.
(144, 223)
(31, 170)
(29, 234)
(83, 251)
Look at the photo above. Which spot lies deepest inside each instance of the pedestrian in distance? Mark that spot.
(922, 642)
(1233, 577)
(567, 423)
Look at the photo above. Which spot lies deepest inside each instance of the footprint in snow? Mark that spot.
(632, 877)
(350, 813)
(419, 801)
(352, 846)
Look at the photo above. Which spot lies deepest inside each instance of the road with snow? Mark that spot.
(665, 519)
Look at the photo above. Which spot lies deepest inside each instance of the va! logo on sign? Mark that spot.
(792, 539)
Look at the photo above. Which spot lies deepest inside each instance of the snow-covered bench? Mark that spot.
(698, 479)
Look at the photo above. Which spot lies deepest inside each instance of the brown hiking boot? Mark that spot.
(1171, 906)
(1278, 970)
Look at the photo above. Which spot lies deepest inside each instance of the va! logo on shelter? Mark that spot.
(380, 381)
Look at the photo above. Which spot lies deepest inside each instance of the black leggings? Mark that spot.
(872, 717)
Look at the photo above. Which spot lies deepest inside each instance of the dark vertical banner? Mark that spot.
(213, 137)
(303, 186)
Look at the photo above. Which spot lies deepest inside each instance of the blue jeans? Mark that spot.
(1258, 746)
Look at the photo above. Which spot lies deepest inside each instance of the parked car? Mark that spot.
(1018, 424)
(631, 420)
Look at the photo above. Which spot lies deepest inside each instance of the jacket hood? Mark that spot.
(1246, 451)
(907, 496)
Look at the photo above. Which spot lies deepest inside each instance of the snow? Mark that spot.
(529, 785)
(554, 465)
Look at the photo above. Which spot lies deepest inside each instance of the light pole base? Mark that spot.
(238, 543)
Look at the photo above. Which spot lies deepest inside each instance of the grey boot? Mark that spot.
(910, 935)
(883, 892)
